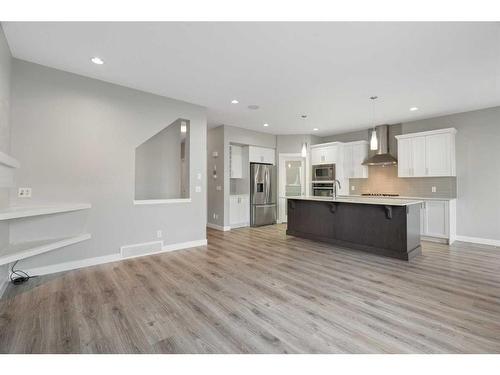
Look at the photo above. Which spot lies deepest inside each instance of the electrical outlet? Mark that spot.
(24, 192)
(353, 188)
(159, 234)
(433, 189)
(198, 189)
(198, 176)
(218, 188)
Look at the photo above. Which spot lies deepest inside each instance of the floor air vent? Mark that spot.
(140, 249)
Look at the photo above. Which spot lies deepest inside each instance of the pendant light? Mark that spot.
(303, 153)
(373, 139)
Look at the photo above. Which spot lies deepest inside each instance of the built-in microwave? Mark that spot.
(323, 172)
(322, 189)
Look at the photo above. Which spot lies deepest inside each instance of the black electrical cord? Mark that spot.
(18, 277)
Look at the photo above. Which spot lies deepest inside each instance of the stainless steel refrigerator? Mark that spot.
(262, 194)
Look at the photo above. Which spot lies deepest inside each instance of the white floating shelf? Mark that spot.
(22, 250)
(16, 212)
(8, 161)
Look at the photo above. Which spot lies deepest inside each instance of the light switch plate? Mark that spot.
(24, 192)
(198, 176)
(353, 188)
(218, 188)
(433, 189)
(198, 189)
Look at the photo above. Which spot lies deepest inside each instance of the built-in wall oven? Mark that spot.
(323, 172)
(322, 189)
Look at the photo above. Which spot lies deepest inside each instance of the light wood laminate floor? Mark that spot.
(259, 291)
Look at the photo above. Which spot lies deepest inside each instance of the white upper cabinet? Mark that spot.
(327, 153)
(235, 161)
(440, 155)
(355, 154)
(261, 155)
(427, 154)
(405, 157)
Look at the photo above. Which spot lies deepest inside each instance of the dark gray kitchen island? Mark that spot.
(389, 227)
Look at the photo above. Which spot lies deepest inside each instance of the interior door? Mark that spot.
(291, 182)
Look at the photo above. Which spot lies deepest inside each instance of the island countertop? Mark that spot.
(360, 200)
(389, 227)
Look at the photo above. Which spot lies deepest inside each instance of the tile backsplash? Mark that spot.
(385, 180)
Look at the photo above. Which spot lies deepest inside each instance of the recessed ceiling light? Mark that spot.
(315, 129)
(266, 125)
(253, 106)
(413, 109)
(234, 101)
(97, 60)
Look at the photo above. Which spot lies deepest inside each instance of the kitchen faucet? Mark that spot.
(335, 182)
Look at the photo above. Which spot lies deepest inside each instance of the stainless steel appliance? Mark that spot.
(323, 172)
(262, 194)
(323, 189)
(382, 155)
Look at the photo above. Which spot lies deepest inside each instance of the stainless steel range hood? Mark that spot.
(382, 157)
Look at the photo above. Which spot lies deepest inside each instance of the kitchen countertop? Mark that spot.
(361, 200)
(404, 197)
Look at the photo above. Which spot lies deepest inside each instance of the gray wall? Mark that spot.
(158, 165)
(5, 83)
(75, 138)
(478, 171)
(215, 198)
(219, 140)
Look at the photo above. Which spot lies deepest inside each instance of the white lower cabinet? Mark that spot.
(239, 211)
(437, 220)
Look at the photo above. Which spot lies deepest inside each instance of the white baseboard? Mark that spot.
(67, 266)
(219, 227)
(434, 239)
(73, 265)
(241, 225)
(478, 240)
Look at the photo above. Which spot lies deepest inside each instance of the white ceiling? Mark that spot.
(325, 70)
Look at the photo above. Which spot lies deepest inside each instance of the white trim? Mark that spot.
(435, 239)
(67, 266)
(240, 225)
(16, 212)
(173, 247)
(282, 158)
(478, 240)
(3, 287)
(161, 201)
(321, 145)
(430, 132)
(8, 161)
(218, 227)
(73, 265)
